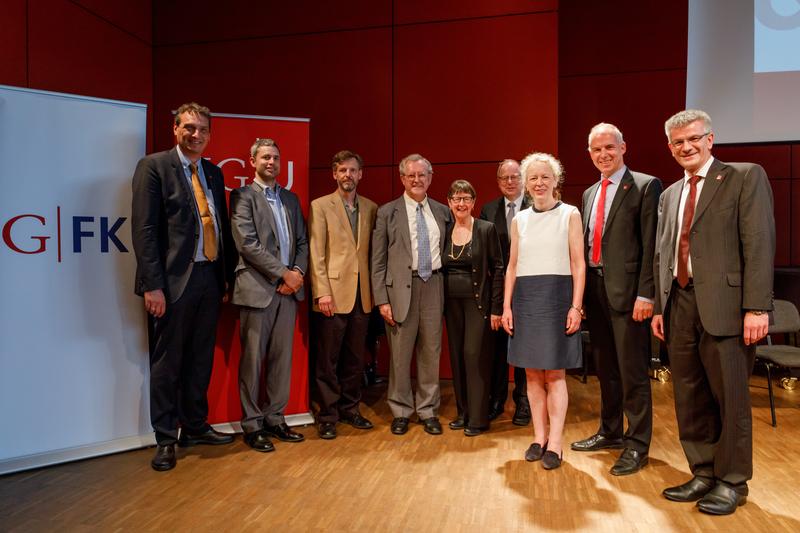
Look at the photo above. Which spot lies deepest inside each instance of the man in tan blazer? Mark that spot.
(713, 268)
(341, 226)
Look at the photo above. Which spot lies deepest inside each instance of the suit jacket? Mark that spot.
(391, 254)
(629, 238)
(731, 245)
(165, 225)
(487, 267)
(260, 269)
(495, 211)
(337, 258)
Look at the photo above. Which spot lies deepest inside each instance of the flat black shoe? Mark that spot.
(458, 423)
(432, 426)
(211, 436)
(692, 490)
(522, 414)
(596, 442)
(284, 433)
(400, 425)
(550, 460)
(629, 462)
(722, 499)
(472, 432)
(165, 458)
(326, 430)
(535, 452)
(259, 441)
(357, 421)
(495, 410)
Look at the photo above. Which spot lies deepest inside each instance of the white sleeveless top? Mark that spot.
(544, 241)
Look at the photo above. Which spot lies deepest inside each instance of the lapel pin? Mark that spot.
(625, 187)
(719, 177)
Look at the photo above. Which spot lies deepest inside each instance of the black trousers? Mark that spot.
(621, 351)
(182, 355)
(712, 396)
(499, 379)
(339, 366)
(469, 341)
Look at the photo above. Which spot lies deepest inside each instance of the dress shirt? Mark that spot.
(281, 219)
(433, 231)
(611, 191)
(199, 256)
(685, 194)
(352, 215)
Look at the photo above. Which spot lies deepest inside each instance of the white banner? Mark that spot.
(73, 348)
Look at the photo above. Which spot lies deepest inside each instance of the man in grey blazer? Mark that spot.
(270, 235)
(619, 229)
(713, 268)
(407, 244)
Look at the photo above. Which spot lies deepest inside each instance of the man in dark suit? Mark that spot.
(341, 228)
(713, 266)
(184, 261)
(501, 211)
(619, 228)
(407, 244)
(270, 235)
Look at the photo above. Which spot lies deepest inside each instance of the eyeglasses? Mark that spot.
(462, 199)
(678, 144)
(509, 179)
(418, 175)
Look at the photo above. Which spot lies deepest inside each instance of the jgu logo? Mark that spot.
(244, 180)
(29, 233)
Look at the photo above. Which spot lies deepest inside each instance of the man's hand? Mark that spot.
(326, 305)
(496, 322)
(293, 279)
(642, 310)
(155, 303)
(386, 313)
(657, 325)
(755, 327)
(284, 289)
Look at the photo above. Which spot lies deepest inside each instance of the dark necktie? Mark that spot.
(686, 226)
(599, 220)
(510, 215)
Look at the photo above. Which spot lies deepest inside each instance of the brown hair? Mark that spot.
(344, 155)
(461, 186)
(195, 109)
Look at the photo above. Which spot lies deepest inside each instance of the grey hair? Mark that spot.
(604, 127)
(503, 162)
(686, 117)
(412, 158)
(259, 143)
(540, 157)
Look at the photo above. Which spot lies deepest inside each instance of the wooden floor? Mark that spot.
(376, 481)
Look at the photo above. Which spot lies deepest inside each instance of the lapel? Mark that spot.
(500, 216)
(625, 185)
(337, 204)
(671, 204)
(290, 216)
(183, 183)
(401, 219)
(587, 209)
(710, 187)
(262, 209)
(364, 229)
(211, 182)
(441, 218)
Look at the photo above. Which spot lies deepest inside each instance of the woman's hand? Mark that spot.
(496, 322)
(573, 320)
(508, 321)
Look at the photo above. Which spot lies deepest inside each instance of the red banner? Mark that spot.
(232, 136)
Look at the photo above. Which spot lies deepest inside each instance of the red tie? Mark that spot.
(599, 220)
(686, 226)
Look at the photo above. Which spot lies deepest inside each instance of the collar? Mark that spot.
(258, 181)
(703, 172)
(517, 202)
(410, 202)
(185, 160)
(616, 177)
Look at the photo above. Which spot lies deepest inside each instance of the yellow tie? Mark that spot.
(209, 235)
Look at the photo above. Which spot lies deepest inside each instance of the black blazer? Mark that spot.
(495, 212)
(165, 225)
(487, 266)
(628, 239)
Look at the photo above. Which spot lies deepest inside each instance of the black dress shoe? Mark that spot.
(472, 432)
(495, 410)
(210, 436)
(722, 499)
(432, 426)
(284, 433)
(164, 458)
(400, 425)
(629, 462)
(550, 460)
(692, 490)
(458, 423)
(596, 442)
(326, 430)
(259, 441)
(356, 420)
(535, 452)
(522, 414)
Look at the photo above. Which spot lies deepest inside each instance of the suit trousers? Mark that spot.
(712, 395)
(469, 339)
(621, 350)
(499, 381)
(182, 356)
(267, 337)
(339, 368)
(421, 331)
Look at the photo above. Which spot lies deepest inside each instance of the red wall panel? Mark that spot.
(476, 90)
(132, 16)
(411, 11)
(13, 46)
(775, 158)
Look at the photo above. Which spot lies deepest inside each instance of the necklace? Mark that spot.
(464, 246)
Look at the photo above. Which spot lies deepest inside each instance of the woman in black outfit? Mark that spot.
(473, 268)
